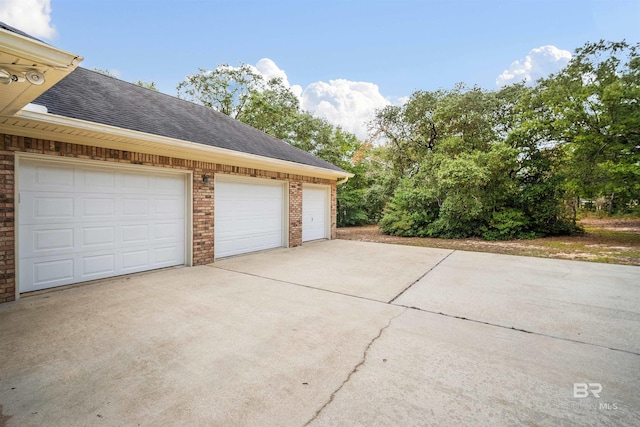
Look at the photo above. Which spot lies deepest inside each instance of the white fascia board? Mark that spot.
(36, 51)
(222, 155)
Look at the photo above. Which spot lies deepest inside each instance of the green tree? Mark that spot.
(148, 85)
(590, 110)
(464, 175)
(362, 199)
(273, 109)
(242, 93)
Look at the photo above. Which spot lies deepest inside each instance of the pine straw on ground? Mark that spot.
(610, 240)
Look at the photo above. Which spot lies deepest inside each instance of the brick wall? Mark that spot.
(295, 213)
(7, 230)
(203, 200)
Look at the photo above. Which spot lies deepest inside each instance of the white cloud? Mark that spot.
(540, 62)
(31, 16)
(270, 70)
(344, 102)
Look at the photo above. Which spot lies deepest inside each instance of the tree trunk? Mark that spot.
(611, 204)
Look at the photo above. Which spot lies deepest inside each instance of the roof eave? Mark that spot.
(41, 125)
(19, 53)
(37, 51)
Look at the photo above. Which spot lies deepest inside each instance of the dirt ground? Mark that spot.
(610, 240)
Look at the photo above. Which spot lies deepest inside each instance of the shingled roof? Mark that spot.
(17, 31)
(94, 97)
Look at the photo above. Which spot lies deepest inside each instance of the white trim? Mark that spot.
(16, 228)
(37, 51)
(101, 164)
(285, 216)
(327, 206)
(226, 177)
(223, 155)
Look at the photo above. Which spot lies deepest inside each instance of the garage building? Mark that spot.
(102, 178)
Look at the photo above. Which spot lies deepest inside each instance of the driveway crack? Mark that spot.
(420, 278)
(355, 368)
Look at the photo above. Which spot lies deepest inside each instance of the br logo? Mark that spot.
(582, 390)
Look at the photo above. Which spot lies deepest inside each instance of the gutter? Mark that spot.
(34, 50)
(142, 140)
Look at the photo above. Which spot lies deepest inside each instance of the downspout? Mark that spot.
(342, 180)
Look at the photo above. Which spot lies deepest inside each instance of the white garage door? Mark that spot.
(314, 213)
(249, 215)
(78, 222)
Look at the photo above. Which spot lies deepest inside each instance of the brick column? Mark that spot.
(295, 213)
(7, 222)
(203, 250)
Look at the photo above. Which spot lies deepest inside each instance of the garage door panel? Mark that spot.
(96, 236)
(42, 178)
(135, 259)
(134, 181)
(166, 207)
(94, 265)
(46, 207)
(41, 240)
(94, 229)
(223, 246)
(53, 239)
(98, 207)
(162, 185)
(37, 207)
(168, 255)
(104, 180)
(135, 207)
(53, 271)
(248, 243)
(134, 233)
(163, 231)
(314, 213)
(40, 274)
(249, 216)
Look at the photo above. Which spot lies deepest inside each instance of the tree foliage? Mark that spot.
(244, 94)
(591, 109)
(465, 161)
(506, 164)
(462, 174)
(148, 85)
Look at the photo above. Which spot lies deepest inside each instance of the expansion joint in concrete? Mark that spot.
(512, 328)
(420, 278)
(355, 368)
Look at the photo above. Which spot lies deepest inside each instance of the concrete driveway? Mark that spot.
(331, 333)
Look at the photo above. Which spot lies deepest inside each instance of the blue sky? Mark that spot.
(345, 57)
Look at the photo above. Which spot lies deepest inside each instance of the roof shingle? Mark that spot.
(94, 97)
